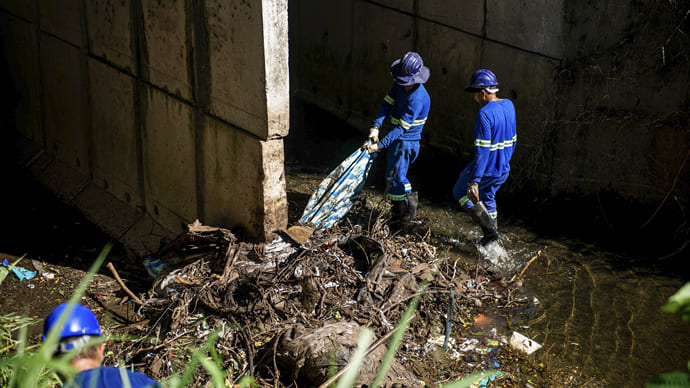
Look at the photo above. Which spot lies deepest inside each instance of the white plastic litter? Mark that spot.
(440, 340)
(522, 343)
(468, 345)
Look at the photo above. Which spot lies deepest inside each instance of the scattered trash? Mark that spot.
(19, 272)
(522, 343)
(468, 345)
(440, 341)
(39, 268)
(153, 266)
(336, 194)
(330, 243)
(484, 382)
(257, 295)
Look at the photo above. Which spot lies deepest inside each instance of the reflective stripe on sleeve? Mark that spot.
(497, 146)
(405, 124)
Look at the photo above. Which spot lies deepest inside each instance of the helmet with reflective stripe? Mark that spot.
(80, 321)
(482, 79)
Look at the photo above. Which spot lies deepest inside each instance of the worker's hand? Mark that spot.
(374, 134)
(473, 192)
(372, 147)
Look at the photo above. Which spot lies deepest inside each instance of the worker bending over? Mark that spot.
(408, 104)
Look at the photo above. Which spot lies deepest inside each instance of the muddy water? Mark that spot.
(597, 310)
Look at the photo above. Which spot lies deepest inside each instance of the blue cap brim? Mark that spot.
(407, 80)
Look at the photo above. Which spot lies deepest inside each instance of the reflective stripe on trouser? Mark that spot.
(487, 190)
(399, 156)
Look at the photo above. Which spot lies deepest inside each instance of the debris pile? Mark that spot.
(290, 314)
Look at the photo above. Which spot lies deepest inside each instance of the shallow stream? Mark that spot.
(598, 311)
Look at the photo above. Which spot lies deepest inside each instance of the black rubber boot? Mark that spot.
(412, 203)
(399, 211)
(481, 216)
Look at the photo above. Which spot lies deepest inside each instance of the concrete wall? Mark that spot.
(147, 115)
(175, 110)
(587, 80)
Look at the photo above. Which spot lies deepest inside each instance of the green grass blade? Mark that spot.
(400, 331)
(350, 375)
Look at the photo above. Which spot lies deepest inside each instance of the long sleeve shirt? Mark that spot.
(408, 111)
(495, 137)
(111, 377)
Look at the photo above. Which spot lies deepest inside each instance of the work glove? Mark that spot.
(374, 134)
(372, 147)
(473, 192)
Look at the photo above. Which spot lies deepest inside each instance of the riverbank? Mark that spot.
(311, 288)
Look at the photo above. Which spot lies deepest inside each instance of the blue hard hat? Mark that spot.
(80, 321)
(409, 70)
(481, 79)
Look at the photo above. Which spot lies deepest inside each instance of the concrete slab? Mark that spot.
(21, 153)
(275, 38)
(63, 180)
(20, 44)
(594, 26)
(109, 29)
(167, 53)
(532, 25)
(324, 70)
(146, 236)
(243, 183)
(110, 214)
(115, 150)
(401, 5)
(249, 73)
(168, 148)
(526, 79)
(467, 16)
(617, 86)
(26, 9)
(452, 56)
(63, 103)
(375, 46)
(63, 19)
(274, 194)
(584, 163)
(233, 53)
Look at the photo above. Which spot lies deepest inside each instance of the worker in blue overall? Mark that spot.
(495, 138)
(408, 103)
(78, 329)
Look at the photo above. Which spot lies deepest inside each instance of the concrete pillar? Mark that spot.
(149, 114)
(248, 89)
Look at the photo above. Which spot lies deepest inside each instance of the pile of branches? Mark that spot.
(251, 299)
